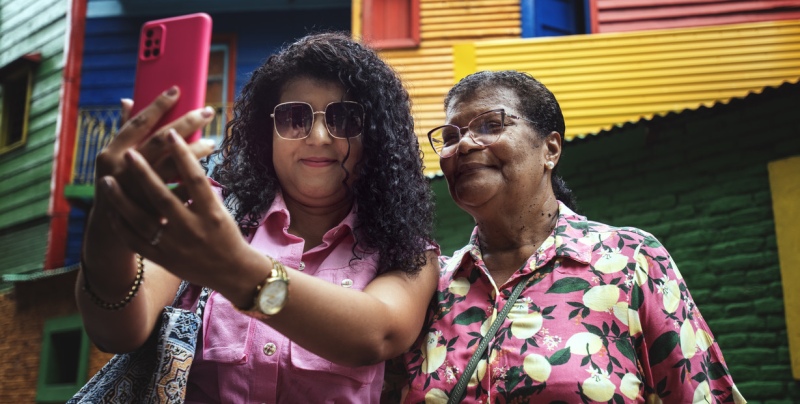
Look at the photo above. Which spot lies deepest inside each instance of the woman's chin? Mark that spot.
(472, 196)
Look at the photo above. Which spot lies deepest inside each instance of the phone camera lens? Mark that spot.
(149, 33)
(155, 52)
(148, 43)
(147, 53)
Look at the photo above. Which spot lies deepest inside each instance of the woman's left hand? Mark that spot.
(198, 241)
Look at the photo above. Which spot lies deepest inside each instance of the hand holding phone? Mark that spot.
(173, 52)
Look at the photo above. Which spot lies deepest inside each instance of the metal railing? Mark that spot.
(97, 126)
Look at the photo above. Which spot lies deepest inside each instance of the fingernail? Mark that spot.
(172, 135)
(130, 155)
(207, 112)
(171, 92)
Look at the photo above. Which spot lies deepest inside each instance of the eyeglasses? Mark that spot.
(484, 129)
(293, 120)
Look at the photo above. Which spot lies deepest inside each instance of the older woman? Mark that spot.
(603, 315)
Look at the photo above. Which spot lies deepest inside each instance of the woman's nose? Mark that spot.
(467, 143)
(319, 132)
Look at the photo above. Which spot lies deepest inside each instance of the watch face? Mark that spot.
(272, 297)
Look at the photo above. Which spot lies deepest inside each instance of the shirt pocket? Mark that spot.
(223, 328)
(304, 361)
(356, 275)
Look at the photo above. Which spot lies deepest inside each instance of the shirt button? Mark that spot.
(302, 266)
(347, 283)
(269, 349)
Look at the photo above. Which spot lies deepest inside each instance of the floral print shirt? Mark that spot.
(605, 317)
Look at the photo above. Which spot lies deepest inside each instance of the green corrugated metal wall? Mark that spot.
(26, 27)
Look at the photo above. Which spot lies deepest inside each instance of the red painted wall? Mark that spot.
(639, 15)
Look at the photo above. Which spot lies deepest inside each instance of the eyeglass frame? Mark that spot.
(504, 114)
(314, 115)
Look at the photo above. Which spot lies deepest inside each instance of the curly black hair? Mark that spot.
(536, 103)
(395, 203)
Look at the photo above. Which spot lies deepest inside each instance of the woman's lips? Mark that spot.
(317, 161)
(467, 168)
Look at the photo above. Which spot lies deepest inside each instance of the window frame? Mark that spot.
(21, 69)
(62, 391)
(368, 19)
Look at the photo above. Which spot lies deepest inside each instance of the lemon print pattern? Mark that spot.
(601, 298)
(459, 286)
(688, 340)
(672, 296)
(630, 385)
(537, 367)
(606, 317)
(611, 262)
(584, 343)
(524, 323)
(598, 387)
(436, 396)
(434, 352)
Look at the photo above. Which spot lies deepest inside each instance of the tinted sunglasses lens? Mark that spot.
(344, 119)
(293, 120)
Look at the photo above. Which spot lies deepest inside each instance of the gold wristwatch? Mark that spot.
(271, 294)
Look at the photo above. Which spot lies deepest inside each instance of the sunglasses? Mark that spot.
(293, 120)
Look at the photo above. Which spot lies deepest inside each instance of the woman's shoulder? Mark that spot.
(622, 235)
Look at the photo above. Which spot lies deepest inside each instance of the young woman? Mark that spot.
(321, 175)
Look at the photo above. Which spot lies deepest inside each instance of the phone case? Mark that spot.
(173, 51)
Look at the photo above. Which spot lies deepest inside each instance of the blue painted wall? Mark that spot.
(109, 63)
(109, 60)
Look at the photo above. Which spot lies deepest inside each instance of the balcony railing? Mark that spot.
(97, 126)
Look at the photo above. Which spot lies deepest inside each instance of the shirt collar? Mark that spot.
(569, 239)
(278, 215)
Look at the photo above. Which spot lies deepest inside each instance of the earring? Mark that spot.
(550, 165)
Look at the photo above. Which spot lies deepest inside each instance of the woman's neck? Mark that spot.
(508, 237)
(312, 222)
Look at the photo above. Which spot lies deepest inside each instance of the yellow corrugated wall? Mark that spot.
(428, 70)
(603, 80)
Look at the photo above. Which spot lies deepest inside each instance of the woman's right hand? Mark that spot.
(107, 262)
(135, 133)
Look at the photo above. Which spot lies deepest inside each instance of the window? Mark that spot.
(16, 80)
(390, 24)
(554, 17)
(64, 359)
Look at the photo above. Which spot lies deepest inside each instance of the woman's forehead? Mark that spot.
(303, 84)
(480, 100)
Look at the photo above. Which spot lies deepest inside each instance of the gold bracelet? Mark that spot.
(124, 302)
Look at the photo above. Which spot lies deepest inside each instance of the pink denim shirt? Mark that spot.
(242, 360)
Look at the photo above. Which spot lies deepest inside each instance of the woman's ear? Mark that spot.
(553, 144)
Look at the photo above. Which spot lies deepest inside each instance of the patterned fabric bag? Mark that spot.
(158, 371)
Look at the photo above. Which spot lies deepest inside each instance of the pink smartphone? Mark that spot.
(173, 52)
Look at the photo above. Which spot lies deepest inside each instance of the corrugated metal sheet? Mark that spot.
(25, 173)
(603, 80)
(637, 15)
(428, 70)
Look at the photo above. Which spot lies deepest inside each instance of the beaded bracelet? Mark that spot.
(124, 302)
